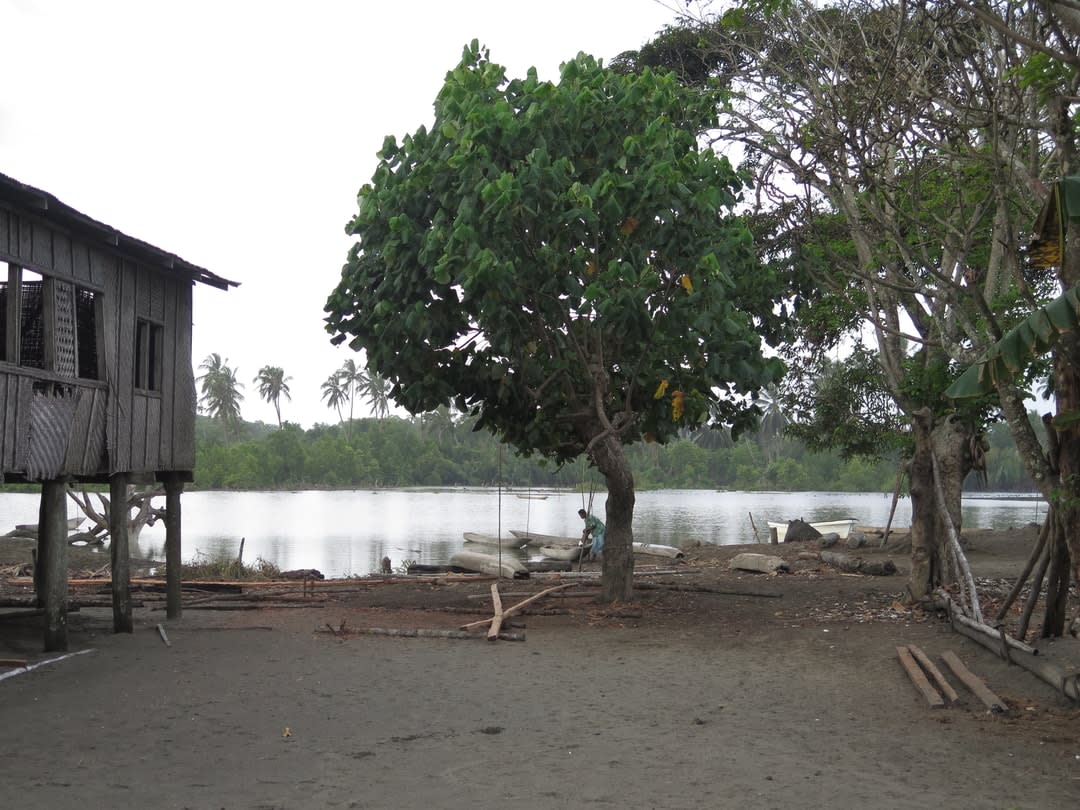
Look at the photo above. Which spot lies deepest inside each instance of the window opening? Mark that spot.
(86, 333)
(148, 342)
(32, 320)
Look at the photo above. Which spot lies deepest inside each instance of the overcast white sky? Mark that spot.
(236, 133)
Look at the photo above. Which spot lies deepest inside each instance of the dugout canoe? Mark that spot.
(490, 540)
(474, 561)
(538, 539)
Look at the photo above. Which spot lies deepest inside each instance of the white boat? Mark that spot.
(507, 566)
(537, 539)
(491, 540)
(658, 550)
(840, 527)
(563, 552)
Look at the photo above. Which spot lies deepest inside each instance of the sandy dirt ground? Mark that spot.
(789, 699)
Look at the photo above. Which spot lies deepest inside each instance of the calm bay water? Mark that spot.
(349, 532)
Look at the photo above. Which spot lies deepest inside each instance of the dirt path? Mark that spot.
(681, 700)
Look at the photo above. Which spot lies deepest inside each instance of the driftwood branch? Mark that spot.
(667, 586)
(413, 632)
(515, 608)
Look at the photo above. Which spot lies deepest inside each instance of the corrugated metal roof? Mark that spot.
(48, 207)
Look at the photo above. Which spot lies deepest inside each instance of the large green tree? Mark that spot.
(894, 141)
(560, 260)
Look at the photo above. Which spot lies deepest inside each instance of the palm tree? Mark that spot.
(376, 389)
(272, 384)
(335, 393)
(221, 397)
(773, 421)
(353, 380)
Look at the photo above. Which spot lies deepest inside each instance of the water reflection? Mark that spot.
(349, 532)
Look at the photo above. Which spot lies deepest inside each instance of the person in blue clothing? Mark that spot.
(594, 533)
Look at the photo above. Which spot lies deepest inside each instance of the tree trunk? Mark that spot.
(950, 441)
(1067, 394)
(617, 580)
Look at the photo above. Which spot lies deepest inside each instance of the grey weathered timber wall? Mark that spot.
(143, 431)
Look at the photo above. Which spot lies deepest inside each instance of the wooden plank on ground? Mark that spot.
(974, 683)
(918, 677)
(939, 677)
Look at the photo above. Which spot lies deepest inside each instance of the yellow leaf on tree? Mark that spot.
(686, 283)
(629, 225)
(676, 405)
(661, 389)
(590, 269)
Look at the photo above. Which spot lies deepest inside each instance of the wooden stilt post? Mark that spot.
(52, 557)
(173, 487)
(120, 553)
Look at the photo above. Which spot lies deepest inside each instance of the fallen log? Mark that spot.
(918, 678)
(932, 670)
(758, 563)
(1068, 684)
(857, 565)
(978, 631)
(973, 682)
(415, 632)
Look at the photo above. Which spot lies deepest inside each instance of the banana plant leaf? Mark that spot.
(1034, 336)
(1047, 248)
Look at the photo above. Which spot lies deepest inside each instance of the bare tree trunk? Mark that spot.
(617, 581)
(950, 442)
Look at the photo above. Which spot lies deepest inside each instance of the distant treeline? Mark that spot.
(439, 450)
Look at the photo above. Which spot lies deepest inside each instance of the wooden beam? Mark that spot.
(918, 677)
(120, 554)
(52, 555)
(174, 486)
(974, 683)
(932, 670)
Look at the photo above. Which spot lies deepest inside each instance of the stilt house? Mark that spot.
(96, 379)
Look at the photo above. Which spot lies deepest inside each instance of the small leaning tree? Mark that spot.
(560, 261)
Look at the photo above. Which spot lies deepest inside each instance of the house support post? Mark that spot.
(120, 553)
(173, 565)
(52, 559)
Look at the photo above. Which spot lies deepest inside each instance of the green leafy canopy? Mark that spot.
(547, 255)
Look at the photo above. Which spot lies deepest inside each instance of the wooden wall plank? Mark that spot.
(62, 254)
(137, 433)
(124, 363)
(152, 445)
(181, 384)
(5, 225)
(7, 424)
